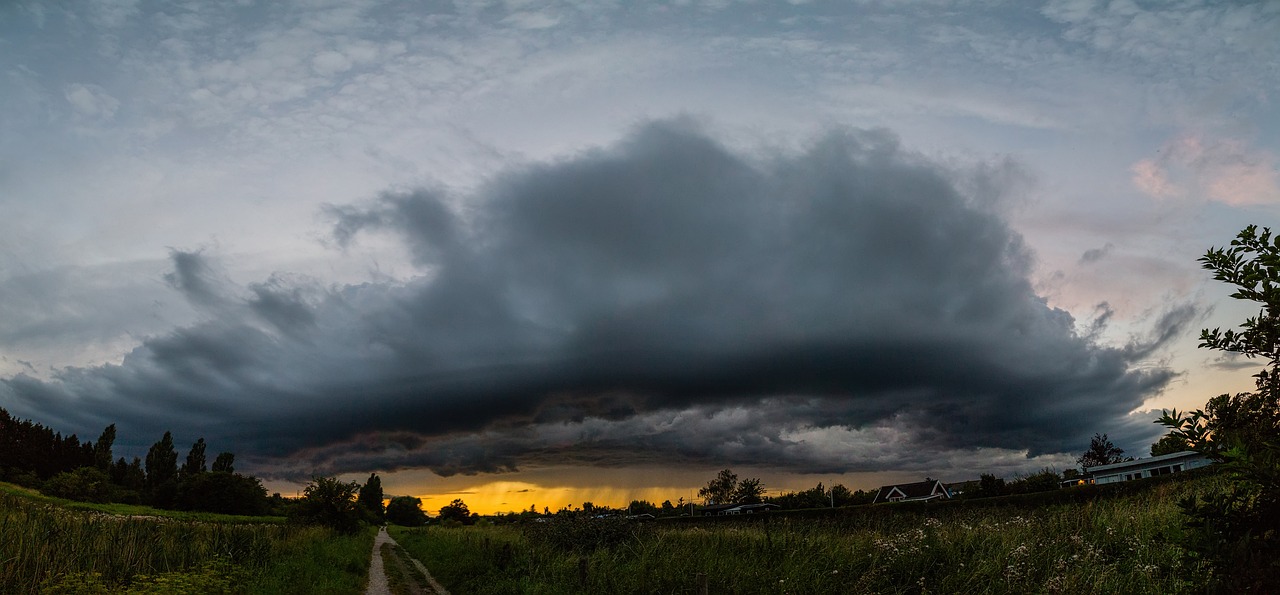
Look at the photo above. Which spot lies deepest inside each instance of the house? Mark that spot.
(715, 509)
(1149, 467)
(730, 509)
(929, 489)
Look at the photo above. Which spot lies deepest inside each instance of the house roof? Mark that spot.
(911, 491)
(1114, 467)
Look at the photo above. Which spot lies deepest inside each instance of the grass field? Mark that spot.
(1125, 543)
(48, 547)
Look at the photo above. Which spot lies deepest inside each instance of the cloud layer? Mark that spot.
(844, 307)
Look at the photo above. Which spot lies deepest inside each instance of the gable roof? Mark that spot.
(920, 490)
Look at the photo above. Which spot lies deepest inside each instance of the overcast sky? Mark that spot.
(483, 239)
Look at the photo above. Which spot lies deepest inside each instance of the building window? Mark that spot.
(1177, 468)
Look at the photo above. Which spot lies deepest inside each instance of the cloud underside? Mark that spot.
(846, 307)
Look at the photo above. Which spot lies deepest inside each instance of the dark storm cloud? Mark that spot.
(662, 297)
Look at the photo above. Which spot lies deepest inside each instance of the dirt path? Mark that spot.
(415, 581)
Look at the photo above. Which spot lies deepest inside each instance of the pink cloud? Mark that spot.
(1227, 171)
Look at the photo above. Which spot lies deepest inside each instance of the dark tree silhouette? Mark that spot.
(102, 448)
(406, 511)
(195, 459)
(370, 497)
(455, 511)
(329, 502)
(224, 463)
(1101, 452)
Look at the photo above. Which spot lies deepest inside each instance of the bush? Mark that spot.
(86, 484)
(406, 511)
(221, 492)
(331, 503)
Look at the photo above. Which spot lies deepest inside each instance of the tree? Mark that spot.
(456, 511)
(225, 463)
(720, 489)
(102, 448)
(989, 485)
(370, 497)
(331, 503)
(1238, 530)
(162, 471)
(1101, 452)
(1169, 444)
(222, 492)
(748, 491)
(195, 459)
(406, 511)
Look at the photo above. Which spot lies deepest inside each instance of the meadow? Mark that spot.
(53, 546)
(1092, 542)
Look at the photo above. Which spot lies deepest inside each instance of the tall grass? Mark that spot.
(1107, 545)
(46, 546)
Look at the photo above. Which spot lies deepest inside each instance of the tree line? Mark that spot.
(38, 457)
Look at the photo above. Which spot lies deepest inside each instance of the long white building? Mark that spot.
(1150, 467)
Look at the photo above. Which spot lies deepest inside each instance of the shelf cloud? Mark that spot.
(848, 306)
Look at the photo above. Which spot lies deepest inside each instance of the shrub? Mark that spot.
(86, 484)
(406, 511)
(331, 503)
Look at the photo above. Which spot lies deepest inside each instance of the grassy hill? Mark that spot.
(50, 545)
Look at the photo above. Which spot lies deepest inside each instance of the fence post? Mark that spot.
(701, 578)
(582, 571)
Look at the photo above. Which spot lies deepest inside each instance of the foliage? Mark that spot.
(989, 486)
(28, 449)
(1238, 529)
(1044, 480)
(720, 489)
(195, 460)
(87, 484)
(49, 547)
(582, 533)
(328, 502)
(1107, 545)
(406, 511)
(748, 491)
(727, 489)
(225, 463)
(162, 472)
(820, 497)
(457, 511)
(224, 493)
(102, 448)
(370, 498)
(1101, 452)
(1169, 444)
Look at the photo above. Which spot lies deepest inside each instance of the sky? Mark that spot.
(542, 253)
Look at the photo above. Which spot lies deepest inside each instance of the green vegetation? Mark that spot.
(328, 502)
(1095, 540)
(1237, 530)
(38, 457)
(406, 511)
(50, 548)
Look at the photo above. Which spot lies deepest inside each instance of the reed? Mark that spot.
(1125, 544)
(45, 547)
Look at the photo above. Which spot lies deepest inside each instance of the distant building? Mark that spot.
(929, 489)
(731, 509)
(1149, 467)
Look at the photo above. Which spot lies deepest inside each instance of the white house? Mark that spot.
(1151, 467)
(928, 489)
